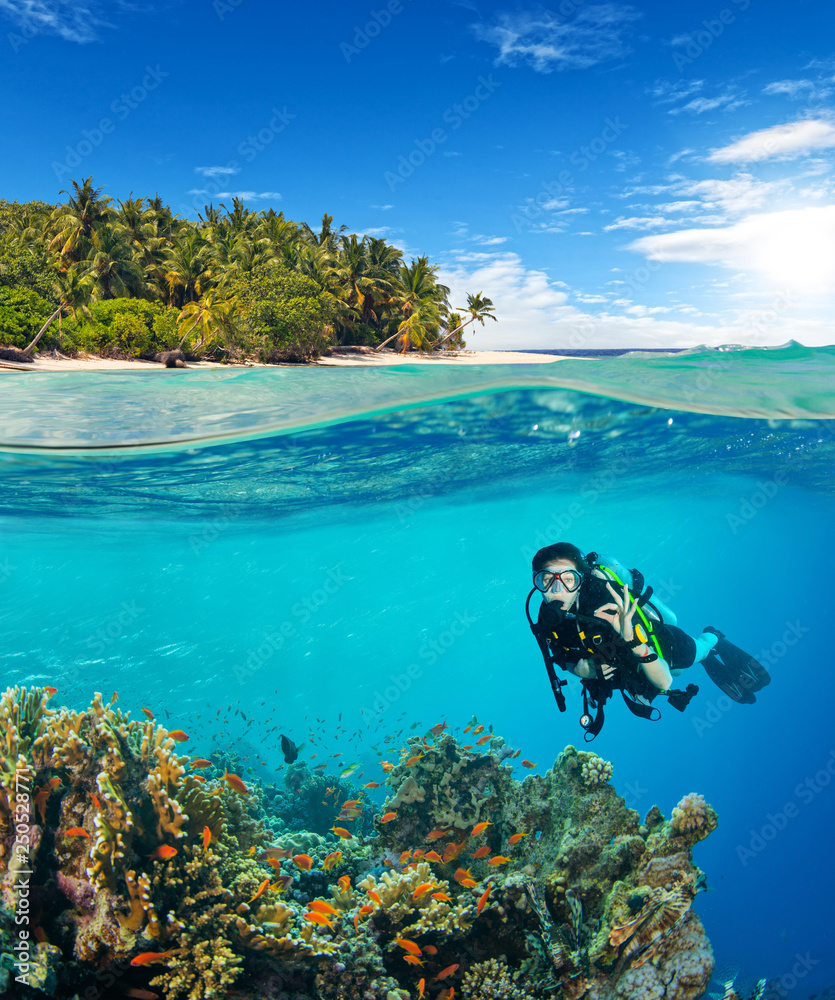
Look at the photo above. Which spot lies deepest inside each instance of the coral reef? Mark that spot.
(499, 889)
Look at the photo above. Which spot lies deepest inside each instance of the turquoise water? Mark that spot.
(353, 546)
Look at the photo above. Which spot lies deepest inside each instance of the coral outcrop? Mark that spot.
(544, 889)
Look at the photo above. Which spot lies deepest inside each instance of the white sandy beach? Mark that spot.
(336, 359)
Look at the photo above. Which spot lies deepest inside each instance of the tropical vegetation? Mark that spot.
(131, 279)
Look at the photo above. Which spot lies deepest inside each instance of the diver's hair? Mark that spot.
(561, 550)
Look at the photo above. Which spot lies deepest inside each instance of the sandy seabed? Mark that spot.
(336, 359)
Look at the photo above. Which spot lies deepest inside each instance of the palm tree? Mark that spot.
(417, 290)
(112, 264)
(187, 268)
(209, 314)
(74, 291)
(479, 307)
(75, 222)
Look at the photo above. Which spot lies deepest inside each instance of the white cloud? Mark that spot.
(794, 248)
(640, 222)
(783, 141)
(383, 208)
(489, 241)
(217, 171)
(668, 92)
(72, 20)
(547, 42)
(793, 88)
(532, 313)
(699, 105)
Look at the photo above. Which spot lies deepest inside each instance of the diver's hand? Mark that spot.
(620, 613)
(607, 670)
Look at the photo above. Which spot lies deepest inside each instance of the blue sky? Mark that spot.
(646, 174)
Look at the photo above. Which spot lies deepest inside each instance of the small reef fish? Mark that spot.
(375, 896)
(178, 735)
(437, 730)
(413, 760)
(50, 691)
(149, 957)
(437, 833)
(430, 949)
(148, 712)
(479, 828)
(261, 888)
(340, 831)
(388, 817)
(477, 730)
(201, 763)
(447, 994)
(322, 906)
(448, 971)
(407, 945)
(320, 919)
(387, 766)
(432, 856)
(422, 889)
(372, 784)
(303, 861)
(289, 749)
(516, 753)
(451, 851)
(344, 883)
(199, 778)
(421, 988)
(76, 831)
(441, 897)
(43, 794)
(413, 960)
(482, 852)
(527, 763)
(139, 994)
(516, 837)
(404, 857)
(163, 853)
(499, 859)
(235, 783)
(207, 837)
(462, 873)
(418, 853)
(331, 860)
(482, 899)
(95, 800)
(274, 863)
(349, 770)
(275, 852)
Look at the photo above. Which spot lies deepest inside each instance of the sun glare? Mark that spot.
(797, 249)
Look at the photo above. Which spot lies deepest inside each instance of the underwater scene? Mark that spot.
(276, 725)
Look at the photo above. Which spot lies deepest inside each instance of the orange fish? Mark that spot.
(468, 883)
(499, 859)
(234, 782)
(148, 712)
(515, 754)
(467, 728)
(418, 853)
(43, 794)
(448, 971)
(479, 828)
(200, 762)
(386, 766)
(50, 690)
(139, 994)
(388, 817)
(331, 860)
(482, 852)
(462, 873)
(477, 730)
(344, 883)
(163, 853)
(340, 831)
(413, 760)
(442, 897)
(483, 739)
(198, 777)
(432, 856)
(274, 863)
(320, 919)
(207, 837)
(421, 988)
(422, 889)
(178, 735)
(451, 851)
(76, 831)
(261, 888)
(436, 834)
(322, 906)
(375, 896)
(408, 945)
(516, 837)
(413, 960)
(447, 994)
(95, 800)
(527, 763)
(404, 857)
(372, 784)
(430, 949)
(437, 730)
(114, 697)
(303, 861)
(149, 957)
(482, 899)
(275, 852)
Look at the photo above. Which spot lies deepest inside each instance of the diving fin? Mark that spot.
(736, 672)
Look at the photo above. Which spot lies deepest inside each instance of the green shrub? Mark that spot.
(126, 328)
(22, 313)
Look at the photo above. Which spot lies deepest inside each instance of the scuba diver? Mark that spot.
(598, 622)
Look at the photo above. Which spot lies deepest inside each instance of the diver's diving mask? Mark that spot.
(568, 579)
